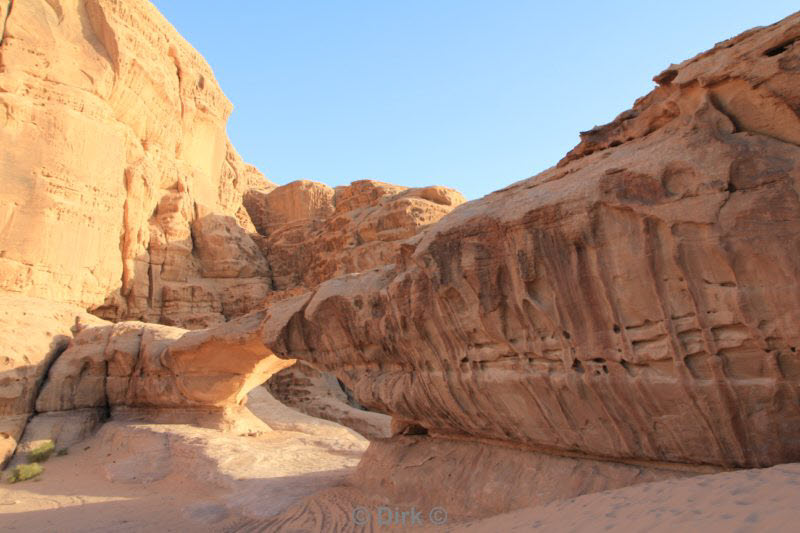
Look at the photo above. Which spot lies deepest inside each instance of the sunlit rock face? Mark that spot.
(638, 300)
(122, 195)
(133, 364)
(113, 155)
(312, 232)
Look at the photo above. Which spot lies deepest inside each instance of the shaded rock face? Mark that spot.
(321, 395)
(33, 334)
(638, 301)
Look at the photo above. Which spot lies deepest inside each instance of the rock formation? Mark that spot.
(322, 395)
(629, 315)
(122, 195)
(113, 154)
(33, 333)
(638, 301)
(313, 233)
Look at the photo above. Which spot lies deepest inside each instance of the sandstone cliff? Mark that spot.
(113, 154)
(638, 301)
(123, 196)
(629, 315)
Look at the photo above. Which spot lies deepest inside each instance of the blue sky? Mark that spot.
(469, 94)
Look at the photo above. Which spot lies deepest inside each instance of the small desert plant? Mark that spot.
(23, 472)
(62, 452)
(42, 452)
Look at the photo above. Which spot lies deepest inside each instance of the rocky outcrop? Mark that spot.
(312, 233)
(133, 364)
(115, 162)
(139, 371)
(33, 333)
(122, 195)
(637, 302)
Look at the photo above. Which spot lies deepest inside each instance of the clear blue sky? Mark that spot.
(468, 94)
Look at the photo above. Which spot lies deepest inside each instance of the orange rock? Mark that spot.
(638, 301)
(113, 137)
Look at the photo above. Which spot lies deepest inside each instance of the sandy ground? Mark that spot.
(765, 500)
(166, 477)
(169, 477)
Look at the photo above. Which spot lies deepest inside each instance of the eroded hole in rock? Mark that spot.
(414, 429)
(323, 395)
(781, 48)
(577, 366)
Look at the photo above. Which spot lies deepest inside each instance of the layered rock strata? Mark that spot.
(638, 301)
(313, 233)
(636, 304)
(117, 170)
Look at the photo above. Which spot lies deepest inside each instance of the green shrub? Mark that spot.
(23, 472)
(42, 452)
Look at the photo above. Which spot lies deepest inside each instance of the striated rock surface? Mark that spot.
(122, 195)
(313, 233)
(456, 480)
(638, 301)
(321, 395)
(113, 155)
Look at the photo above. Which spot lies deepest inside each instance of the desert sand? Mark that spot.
(164, 477)
(750, 500)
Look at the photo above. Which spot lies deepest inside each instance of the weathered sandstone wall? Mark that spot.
(638, 301)
(122, 195)
(114, 157)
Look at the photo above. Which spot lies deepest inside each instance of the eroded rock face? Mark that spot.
(113, 155)
(121, 194)
(638, 301)
(321, 395)
(133, 364)
(33, 333)
(313, 233)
